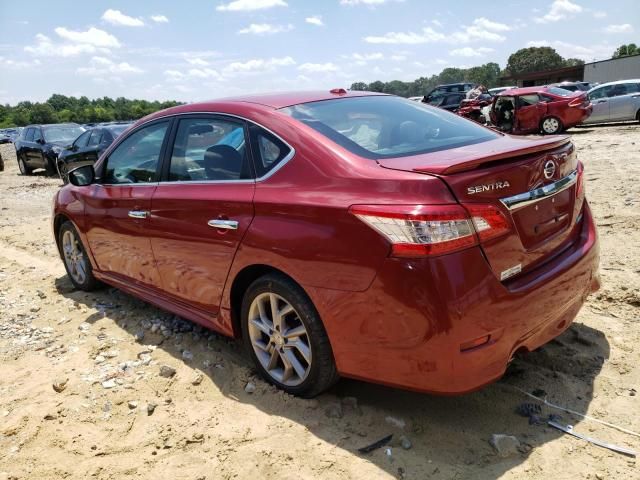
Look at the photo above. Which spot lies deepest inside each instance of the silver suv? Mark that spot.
(615, 102)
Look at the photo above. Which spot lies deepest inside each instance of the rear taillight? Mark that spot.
(580, 180)
(578, 101)
(488, 221)
(419, 230)
(423, 230)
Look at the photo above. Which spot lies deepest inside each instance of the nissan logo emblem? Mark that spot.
(549, 169)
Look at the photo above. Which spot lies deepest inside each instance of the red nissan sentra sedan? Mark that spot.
(549, 110)
(340, 234)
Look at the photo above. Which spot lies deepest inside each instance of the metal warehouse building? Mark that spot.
(622, 68)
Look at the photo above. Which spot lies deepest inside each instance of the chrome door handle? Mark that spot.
(139, 214)
(223, 224)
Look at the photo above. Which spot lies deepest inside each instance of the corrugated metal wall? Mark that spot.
(622, 68)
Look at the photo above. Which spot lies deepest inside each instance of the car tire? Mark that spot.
(50, 168)
(22, 165)
(551, 126)
(293, 353)
(63, 171)
(75, 258)
(638, 116)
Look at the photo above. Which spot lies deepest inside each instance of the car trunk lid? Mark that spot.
(532, 183)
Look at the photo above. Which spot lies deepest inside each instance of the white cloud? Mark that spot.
(437, 23)
(480, 29)
(487, 24)
(99, 66)
(569, 50)
(204, 73)
(362, 59)
(364, 2)
(315, 20)
(599, 14)
(318, 67)
(623, 28)
(19, 64)
(265, 29)
(93, 36)
(159, 19)
(560, 9)
(259, 65)
(116, 17)
(44, 47)
(197, 61)
(470, 52)
(250, 5)
(398, 58)
(407, 38)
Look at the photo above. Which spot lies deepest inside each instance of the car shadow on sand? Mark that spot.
(449, 435)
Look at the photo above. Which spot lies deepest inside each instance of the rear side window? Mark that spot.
(96, 137)
(268, 150)
(82, 140)
(135, 160)
(600, 93)
(209, 149)
(385, 127)
(531, 99)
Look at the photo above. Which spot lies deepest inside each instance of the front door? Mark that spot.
(621, 104)
(118, 206)
(201, 212)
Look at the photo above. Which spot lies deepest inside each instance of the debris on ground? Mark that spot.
(377, 444)
(504, 445)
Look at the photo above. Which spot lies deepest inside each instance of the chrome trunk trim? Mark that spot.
(521, 200)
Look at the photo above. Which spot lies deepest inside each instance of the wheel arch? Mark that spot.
(241, 282)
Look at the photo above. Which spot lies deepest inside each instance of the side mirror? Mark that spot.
(82, 176)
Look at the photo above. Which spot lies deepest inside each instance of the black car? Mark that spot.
(88, 147)
(448, 96)
(38, 146)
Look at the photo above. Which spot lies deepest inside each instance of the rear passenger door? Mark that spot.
(529, 112)
(202, 207)
(600, 103)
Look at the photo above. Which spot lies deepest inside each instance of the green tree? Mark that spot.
(43, 113)
(626, 50)
(533, 59)
(361, 86)
(572, 62)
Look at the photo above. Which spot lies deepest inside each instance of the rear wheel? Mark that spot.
(50, 167)
(285, 337)
(638, 115)
(551, 125)
(76, 260)
(24, 170)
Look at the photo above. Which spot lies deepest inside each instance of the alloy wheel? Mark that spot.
(279, 339)
(74, 257)
(550, 125)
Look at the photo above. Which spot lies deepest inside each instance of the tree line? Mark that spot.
(525, 60)
(60, 108)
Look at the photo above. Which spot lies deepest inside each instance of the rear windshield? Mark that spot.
(561, 92)
(384, 127)
(117, 130)
(67, 133)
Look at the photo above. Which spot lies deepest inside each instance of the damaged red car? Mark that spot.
(340, 234)
(548, 110)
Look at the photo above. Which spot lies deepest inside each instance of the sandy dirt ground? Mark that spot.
(116, 417)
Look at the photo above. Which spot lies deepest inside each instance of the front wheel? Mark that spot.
(24, 170)
(285, 337)
(63, 171)
(76, 260)
(551, 126)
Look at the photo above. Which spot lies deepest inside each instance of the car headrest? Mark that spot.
(222, 162)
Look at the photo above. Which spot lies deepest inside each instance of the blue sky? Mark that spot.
(198, 49)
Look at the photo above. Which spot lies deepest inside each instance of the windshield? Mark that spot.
(67, 133)
(561, 92)
(385, 126)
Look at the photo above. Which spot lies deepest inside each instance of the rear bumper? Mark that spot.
(407, 329)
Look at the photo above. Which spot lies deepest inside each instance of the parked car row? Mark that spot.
(55, 147)
(8, 135)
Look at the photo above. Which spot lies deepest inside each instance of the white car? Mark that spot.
(615, 102)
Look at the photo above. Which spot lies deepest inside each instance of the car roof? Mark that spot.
(287, 99)
(524, 90)
(618, 82)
